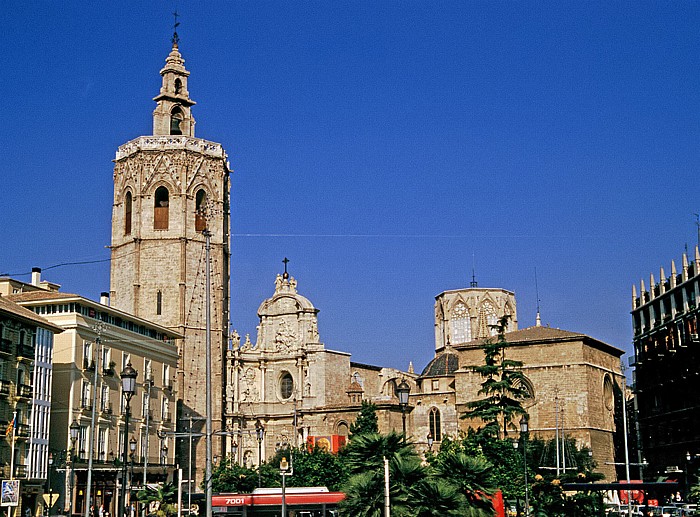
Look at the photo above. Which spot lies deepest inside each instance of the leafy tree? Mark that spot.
(470, 476)
(367, 421)
(503, 388)
(312, 467)
(228, 476)
(160, 501)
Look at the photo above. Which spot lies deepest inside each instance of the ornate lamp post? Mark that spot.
(430, 441)
(523, 432)
(74, 430)
(284, 472)
(259, 434)
(402, 391)
(128, 377)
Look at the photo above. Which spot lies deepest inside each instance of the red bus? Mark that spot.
(267, 502)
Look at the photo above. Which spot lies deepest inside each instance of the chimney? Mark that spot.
(104, 298)
(36, 276)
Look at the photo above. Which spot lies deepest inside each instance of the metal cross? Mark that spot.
(286, 260)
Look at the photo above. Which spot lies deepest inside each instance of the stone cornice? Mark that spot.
(169, 142)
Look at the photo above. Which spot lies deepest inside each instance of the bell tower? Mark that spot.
(168, 188)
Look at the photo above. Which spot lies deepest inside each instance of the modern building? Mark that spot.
(169, 187)
(96, 344)
(667, 370)
(26, 353)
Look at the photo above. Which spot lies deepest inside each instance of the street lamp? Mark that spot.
(284, 472)
(259, 434)
(128, 377)
(402, 391)
(523, 432)
(48, 482)
(164, 454)
(430, 441)
(74, 430)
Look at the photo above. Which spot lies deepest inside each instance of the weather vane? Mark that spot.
(176, 38)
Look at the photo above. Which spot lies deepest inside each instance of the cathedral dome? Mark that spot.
(445, 363)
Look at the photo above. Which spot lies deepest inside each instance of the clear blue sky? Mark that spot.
(380, 145)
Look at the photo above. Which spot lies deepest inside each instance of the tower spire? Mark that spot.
(538, 320)
(173, 114)
(473, 282)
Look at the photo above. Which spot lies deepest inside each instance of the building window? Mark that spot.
(488, 321)
(162, 205)
(461, 325)
(286, 385)
(608, 393)
(200, 214)
(435, 384)
(85, 394)
(178, 86)
(87, 355)
(176, 121)
(434, 421)
(127, 214)
(166, 376)
(104, 398)
(159, 303)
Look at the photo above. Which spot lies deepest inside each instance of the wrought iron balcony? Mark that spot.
(24, 391)
(5, 387)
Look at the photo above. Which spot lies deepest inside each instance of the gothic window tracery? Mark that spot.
(488, 320)
(435, 424)
(461, 325)
(161, 208)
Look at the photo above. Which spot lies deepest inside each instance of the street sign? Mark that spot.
(9, 493)
(50, 499)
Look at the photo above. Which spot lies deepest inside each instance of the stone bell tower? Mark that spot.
(168, 188)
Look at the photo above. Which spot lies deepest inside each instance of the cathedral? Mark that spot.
(284, 387)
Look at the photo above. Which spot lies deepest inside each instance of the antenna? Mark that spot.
(538, 321)
(473, 282)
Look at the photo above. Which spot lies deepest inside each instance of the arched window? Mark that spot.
(435, 425)
(200, 222)
(159, 303)
(461, 325)
(178, 86)
(160, 215)
(127, 214)
(176, 118)
(286, 385)
(487, 320)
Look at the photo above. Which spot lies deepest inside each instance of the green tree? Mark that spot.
(228, 476)
(160, 501)
(364, 458)
(367, 421)
(470, 476)
(503, 388)
(311, 467)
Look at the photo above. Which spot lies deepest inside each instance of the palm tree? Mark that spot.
(367, 451)
(437, 498)
(470, 476)
(161, 499)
